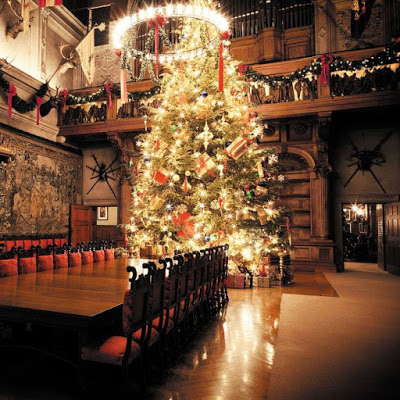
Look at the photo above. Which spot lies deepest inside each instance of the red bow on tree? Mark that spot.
(118, 52)
(155, 23)
(39, 102)
(243, 69)
(326, 60)
(12, 91)
(64, 95)
(183, 222)
(108, 89)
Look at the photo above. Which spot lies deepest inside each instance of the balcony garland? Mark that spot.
(389, 56)
(102, 93)
(20, 105)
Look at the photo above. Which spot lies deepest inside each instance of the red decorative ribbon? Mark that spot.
(64, 95)
(155, 23)
(109, 98)
(12, 91)
(243, 69)
(124, 88)
(204, 165)
(326, 60)
(221, 68)
(224, 36)
(220, 201)
(39, 102)
(158, 145)
(185, 184)
(184, 222)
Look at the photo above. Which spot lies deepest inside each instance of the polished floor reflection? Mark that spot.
(231, 358)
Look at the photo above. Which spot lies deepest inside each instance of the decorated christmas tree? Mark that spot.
(202, 178)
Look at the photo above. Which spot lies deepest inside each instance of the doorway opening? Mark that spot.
(362, 235)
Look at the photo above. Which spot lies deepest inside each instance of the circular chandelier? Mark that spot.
(170, 11)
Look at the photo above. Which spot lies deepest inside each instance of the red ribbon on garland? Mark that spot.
(221, 67)
(185, 185)
(243, 69)
(109, 98)
(39, 102)
(64, 95)
(12, 91)
(326, 60)
(155, 23)
(224, 36)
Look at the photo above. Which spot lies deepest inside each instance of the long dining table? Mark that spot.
(75, 299)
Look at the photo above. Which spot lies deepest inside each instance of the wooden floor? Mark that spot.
(231, 359)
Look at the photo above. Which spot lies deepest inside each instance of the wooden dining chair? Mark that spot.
(45, 260)
(27, 262)
(8, 264)
(87, 254)
(60, 258)
(74, 257)
(126, 346)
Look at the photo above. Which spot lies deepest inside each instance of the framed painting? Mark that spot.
(102, 213)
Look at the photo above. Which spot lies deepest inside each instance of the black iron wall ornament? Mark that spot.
(365, 159)
(102, 173)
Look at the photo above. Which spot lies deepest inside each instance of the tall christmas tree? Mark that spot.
(202, 178)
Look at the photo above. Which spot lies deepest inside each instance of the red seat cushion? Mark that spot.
(75, 259)
(27, 265)
(98, 255)
(9, 267)
(111, 351)
(109, 253)
(156, 322)
(61, 261)
(45, 263)
(87, 257)
(154, 337)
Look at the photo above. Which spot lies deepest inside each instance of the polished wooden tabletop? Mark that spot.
(83, 292)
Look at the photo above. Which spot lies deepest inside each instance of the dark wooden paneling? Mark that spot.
(392, 237)
(381, 238)
(105, 233)
(81, 227)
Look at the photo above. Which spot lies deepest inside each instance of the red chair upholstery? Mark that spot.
(109, 254)
(87, 257)
(45, 263)
(122, 350)
(27, 265)
(61, 261)
(98, 255)
(10, 245)
(75, 259)
(9, 267)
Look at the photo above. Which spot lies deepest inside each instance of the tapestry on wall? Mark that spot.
(37, 186)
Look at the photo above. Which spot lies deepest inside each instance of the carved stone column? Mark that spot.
(44, 14)
(320, 223)
(325, 40)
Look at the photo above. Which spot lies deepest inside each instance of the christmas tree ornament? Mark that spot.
(207, 238)
(228, 143)
(174, 128)
(214, 237)
(238, 147)
(186, 185)
(262, 184)
(161, 176)
(204, 94)
(187, 173)
(176, 178)
(206, 135)
(206, 166)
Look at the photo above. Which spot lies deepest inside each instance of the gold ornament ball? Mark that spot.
(176, 178)
(187, 173)
(227, 206)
